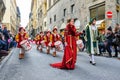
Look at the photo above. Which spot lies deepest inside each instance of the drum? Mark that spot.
(80, 44)
(59, 45)
(42, 43)
(26, 45)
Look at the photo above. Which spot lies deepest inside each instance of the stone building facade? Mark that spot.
(2, 9)
(10, 16)
(58, 11)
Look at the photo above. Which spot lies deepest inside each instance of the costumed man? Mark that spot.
(55, 37)
(92, 42)
(48, 40)
(37, 39)
(41, 39)
(22, 35)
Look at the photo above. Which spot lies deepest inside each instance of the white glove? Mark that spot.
(50, 44)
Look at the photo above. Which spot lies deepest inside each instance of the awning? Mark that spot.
(100, 24)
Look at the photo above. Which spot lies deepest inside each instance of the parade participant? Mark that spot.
(91, 35)
(22, 35)
(70, 51)
(41, 39)
(55, 38)
(37, 38)
(48, 41)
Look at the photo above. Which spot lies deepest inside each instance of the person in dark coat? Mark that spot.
(6, 35)
(108, 40)
(116, 40)
(3, 52)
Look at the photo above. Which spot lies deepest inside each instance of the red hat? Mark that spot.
(21, 29)
(41, 32)
(55, 28)
(48, 31)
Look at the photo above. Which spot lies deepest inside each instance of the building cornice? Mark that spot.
(53, 5)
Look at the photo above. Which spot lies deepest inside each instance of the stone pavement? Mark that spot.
(35, 66)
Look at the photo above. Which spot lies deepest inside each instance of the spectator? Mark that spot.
(109, 38)
(82, 36)
(101, 42)
(116, 40)
(3, 52)
(6, 35)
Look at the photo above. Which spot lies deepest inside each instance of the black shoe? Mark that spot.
(90, 61)
(115, 56)
(109, 56)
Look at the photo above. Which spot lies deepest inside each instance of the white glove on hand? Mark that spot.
(50, 44)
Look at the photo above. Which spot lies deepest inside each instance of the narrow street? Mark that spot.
(35, 66)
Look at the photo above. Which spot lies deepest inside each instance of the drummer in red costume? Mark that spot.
(22, 35)
(40, 41)
(37, 38)
(55, 38)
(70, 51)
(47, 41)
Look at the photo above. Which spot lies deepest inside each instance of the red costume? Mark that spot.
(48, 39)
(37, 38)
(55, 37)
(70, 52)
(20, 37)
(41, 38)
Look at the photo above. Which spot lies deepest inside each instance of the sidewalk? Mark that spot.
(2, 62)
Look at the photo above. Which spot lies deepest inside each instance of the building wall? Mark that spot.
(81, 11)
(2, 9)
(10, 16)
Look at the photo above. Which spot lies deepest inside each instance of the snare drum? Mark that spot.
(59, 45)
(26, 45)
(80, 44)
(42, 43)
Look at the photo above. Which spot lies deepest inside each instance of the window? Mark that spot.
(54, 18)
(94, 0)
(45, 24)
(98, 12)
(54, 1)
(117, 1)
(49, 3)
(64, 14)
(72, 8)
(50, 20)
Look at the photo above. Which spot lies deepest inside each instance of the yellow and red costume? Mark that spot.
(42, 38)
(48, 39)
(19, 38)
(55, 37)
(37, 39)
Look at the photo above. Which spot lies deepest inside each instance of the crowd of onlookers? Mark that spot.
(7, 41)
(108, 41)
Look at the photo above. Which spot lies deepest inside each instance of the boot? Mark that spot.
(20, 56)
(37, 47)
(40, 50)
(48, 51)
(54, 54)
